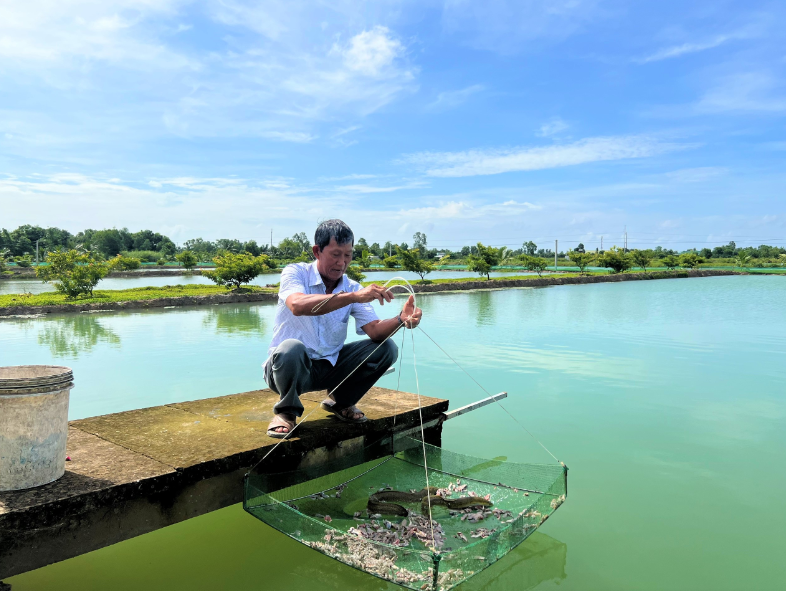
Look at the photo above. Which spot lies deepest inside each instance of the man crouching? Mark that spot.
(315, 301)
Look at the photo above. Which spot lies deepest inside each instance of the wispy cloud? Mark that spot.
(685, 48)
(696, 175)
(505, 26)
(454, 98)
(747, 91)
(466, 210)
(115, 31)
(377, 189)
(552, 127)
(485, 162)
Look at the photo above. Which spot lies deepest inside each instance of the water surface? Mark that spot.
(665, 399)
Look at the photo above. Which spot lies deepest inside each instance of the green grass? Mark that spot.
(493, 280)
(51, 298)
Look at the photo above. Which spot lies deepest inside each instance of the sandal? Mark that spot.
(278, 422)
(341, 413)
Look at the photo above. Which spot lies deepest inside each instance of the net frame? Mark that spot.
(276, 493)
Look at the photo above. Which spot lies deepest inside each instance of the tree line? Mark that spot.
(149, 247)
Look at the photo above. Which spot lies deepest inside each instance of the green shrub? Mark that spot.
(146, 256)
(187, 258)
(536, 264)
(485, 258)
(233, 270)
(123, 263)
(642, 258)
(73, 272)
(690, 260)
(616, 260)
(161, 262)
(354, 272)
(411, 261)
(390, 262)
(581, 259)
(671, 262)
(24, 261)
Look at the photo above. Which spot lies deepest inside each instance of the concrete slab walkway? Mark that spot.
(134, 472)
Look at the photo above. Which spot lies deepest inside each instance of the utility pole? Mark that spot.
(601, 243)
(625, 248)
(271, 238)
(556, 250)
(36, 251)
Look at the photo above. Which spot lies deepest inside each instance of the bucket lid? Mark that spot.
(18, 377)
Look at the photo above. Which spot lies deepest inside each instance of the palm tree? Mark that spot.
(743, 260)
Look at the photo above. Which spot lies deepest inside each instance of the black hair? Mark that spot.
(335, 229)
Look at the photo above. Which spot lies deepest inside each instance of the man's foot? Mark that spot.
(348, 414)
(281, 426)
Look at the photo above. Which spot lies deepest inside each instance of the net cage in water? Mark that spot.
(326, 507)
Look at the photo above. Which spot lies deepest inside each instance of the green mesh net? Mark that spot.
(325, 506)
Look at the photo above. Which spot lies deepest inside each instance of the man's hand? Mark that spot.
(410, 314)
(371, 293)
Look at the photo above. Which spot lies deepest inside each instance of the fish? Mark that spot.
(383, 501)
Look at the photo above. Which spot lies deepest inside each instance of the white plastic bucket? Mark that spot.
(33, 424)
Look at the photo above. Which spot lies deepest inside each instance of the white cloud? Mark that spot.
(685, 48)
(484, 162)
(553, 127)
(466, 210)
(133, 69)
(747, 91)
(289, 136)
(454, 98)
(49, 31)
(374, 189)
(371, 52)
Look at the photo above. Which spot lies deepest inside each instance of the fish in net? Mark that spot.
(367, 511)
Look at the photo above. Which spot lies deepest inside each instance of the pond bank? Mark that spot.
(267, 296)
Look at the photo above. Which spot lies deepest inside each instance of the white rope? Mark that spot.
(423, 443)
(495, 400)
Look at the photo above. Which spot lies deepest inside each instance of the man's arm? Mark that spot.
(301, 304)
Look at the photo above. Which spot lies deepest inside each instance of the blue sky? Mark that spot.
(488, 121)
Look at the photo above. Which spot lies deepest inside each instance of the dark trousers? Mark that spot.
(290, 372)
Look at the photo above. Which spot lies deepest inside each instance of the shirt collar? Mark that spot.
(314, 278)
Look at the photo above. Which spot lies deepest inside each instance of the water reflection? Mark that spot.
(484, 308)
(71, 335)
(537, 560)
(235, 320)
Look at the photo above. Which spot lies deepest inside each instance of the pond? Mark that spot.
(36, 286)
(665, 399)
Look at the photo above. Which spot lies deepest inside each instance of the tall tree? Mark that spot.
(419, 242)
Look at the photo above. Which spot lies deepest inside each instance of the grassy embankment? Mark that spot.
(173, 291)
(101, 296)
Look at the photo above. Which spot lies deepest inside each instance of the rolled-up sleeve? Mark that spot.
(293, 280)
(363, 314)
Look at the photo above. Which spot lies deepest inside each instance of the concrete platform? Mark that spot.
(141, 470)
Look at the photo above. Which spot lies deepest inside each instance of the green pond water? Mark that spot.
(667, 400)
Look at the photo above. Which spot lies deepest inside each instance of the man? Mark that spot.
(308, 351)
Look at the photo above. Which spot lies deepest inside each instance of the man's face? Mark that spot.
(334, 259)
